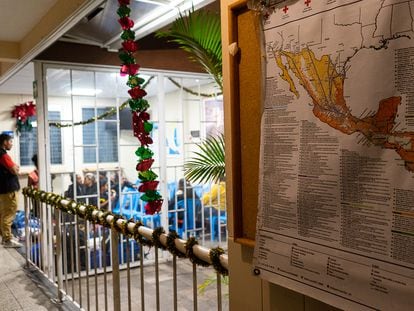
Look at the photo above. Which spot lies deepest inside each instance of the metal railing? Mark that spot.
(87, 254)
(188, 214)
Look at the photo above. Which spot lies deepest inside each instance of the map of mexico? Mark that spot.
(323, 79)
(336, 204)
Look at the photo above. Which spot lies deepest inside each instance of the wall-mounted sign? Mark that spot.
(336, 212)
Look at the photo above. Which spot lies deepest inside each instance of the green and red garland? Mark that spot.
(140, 117)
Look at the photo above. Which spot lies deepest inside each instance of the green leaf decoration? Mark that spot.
(123, 11)
(151, 195)
(147, 176)
(134, 81)
(148, 127)
(128, 35)
(199, 33)
(207, 164)
(126, 58)
(138, 104)
(144, 153)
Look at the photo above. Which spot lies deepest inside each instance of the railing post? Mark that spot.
(116, 286)
(43, 239)
(27, 229)
(219, 302)
(58, 254)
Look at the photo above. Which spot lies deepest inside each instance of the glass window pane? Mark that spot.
(83, 83)
(55, 139)
(28, 145)
(28, 142)
(58, 82)
(107, 137)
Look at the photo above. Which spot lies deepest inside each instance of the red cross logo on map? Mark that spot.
(285, 9)
(307, 2)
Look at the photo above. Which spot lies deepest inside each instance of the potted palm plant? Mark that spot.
(207, 164)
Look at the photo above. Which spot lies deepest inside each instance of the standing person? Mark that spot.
(9, 186)
(33, 178)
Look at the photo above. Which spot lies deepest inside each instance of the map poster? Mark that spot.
(336, 206)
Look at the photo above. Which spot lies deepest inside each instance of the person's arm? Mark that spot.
(33, 179)
(8, 163)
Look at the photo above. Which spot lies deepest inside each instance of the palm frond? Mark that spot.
(199, 33)
(207, 164)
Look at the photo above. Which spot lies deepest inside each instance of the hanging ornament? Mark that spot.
(140, 117)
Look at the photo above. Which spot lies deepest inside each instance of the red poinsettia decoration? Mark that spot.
(22, 113)
(140, 118)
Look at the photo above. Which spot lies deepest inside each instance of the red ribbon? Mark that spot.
(130, 46)
(126, 23)
(153, 207)
(137, 92)
(144, 165)
(123, 2)
(148, 185)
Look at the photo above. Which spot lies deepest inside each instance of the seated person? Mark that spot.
(214, 203)
(70, 193)
(184, 193)
(116, 187)
(90, 189)
(216, 197)
(105, 195)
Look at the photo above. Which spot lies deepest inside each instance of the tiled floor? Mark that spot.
(17, 290)
(20, 289)
(206, 301)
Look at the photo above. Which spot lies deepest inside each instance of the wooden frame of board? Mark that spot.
(243, 83)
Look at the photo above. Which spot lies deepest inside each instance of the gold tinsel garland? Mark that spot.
(112, 111)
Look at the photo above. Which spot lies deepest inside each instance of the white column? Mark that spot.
(44, 164)
(162, 149)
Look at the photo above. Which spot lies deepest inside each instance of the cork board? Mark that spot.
(248, 72)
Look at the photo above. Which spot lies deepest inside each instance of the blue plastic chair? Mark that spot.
(192, 208)
(215, 219)
(128, 205)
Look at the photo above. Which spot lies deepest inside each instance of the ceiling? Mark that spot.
(11, 9)
(27, 28)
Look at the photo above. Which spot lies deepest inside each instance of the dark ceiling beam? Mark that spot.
(160, 59)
